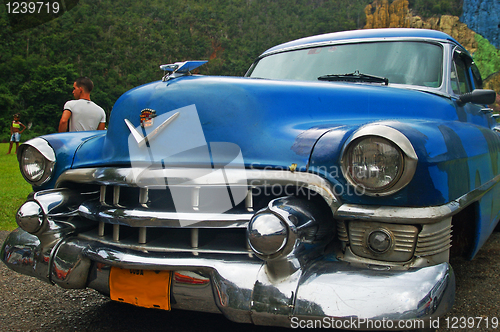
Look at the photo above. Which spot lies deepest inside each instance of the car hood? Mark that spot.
(270, 123)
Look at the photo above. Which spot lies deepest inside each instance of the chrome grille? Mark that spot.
(229, 241)
(131, 216)
(142, 214)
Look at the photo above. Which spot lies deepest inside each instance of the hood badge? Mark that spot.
(147, 116)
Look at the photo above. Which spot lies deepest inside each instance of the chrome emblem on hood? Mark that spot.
(140, 138)
(147, 117)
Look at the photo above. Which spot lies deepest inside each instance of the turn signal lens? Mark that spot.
(379, 241)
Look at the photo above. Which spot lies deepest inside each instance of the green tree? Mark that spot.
(120, 45)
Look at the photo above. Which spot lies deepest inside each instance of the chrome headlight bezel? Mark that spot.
(40, 149)
(390, 136)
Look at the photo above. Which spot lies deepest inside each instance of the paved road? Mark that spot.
(31, 305)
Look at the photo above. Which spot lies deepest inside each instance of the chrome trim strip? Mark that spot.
(389, 133)
(141, 141)
(152, 178)
(414, 215)
(131, 243)
(147, 218)
(357, 41)
(137, 136)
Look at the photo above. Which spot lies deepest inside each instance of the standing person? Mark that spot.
(82, 114)
(15, 132)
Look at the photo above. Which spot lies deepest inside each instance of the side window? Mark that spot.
(476, 76)
(459, 76)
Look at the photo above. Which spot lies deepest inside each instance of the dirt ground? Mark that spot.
(28, 304)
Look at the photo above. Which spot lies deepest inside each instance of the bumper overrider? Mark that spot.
(291, 271)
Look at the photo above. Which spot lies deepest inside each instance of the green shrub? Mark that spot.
(487, 57)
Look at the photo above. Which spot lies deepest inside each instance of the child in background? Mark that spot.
(15, 132)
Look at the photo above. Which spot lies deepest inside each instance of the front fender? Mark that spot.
(65, 146)
(454, 158)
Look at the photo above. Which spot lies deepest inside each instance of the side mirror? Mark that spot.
(479, 96)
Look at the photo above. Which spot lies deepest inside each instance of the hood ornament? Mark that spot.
(180, 69)
(138, 136)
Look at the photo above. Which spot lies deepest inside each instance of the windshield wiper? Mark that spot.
(354, 77)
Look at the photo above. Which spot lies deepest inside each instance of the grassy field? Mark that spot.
(13, 188)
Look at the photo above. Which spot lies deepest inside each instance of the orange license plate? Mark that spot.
(143, 288)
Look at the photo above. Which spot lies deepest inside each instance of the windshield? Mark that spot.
(401, 62)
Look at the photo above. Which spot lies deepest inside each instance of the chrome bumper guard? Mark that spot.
(238, 285)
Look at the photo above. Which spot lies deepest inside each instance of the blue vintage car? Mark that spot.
(331, 184)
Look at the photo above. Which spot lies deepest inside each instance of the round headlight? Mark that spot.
(36, 161)
(374, 163)
(379, 241)
(378, 160)
(32, 164)
(267, 234)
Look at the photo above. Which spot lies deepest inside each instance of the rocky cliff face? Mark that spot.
(493, 83)
(483, 16)
(381, 14)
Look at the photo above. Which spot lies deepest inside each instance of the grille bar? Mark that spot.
(93, 210)
(144, 197)
(196, 241)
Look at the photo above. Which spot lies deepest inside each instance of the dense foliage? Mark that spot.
(429, 8)
(120, 44)
(487, 57)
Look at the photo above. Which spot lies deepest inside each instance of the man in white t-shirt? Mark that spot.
(82, 114)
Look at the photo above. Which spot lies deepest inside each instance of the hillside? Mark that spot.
(120, 45)
(400, 14)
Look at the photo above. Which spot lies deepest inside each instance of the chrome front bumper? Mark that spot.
(240, 287)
